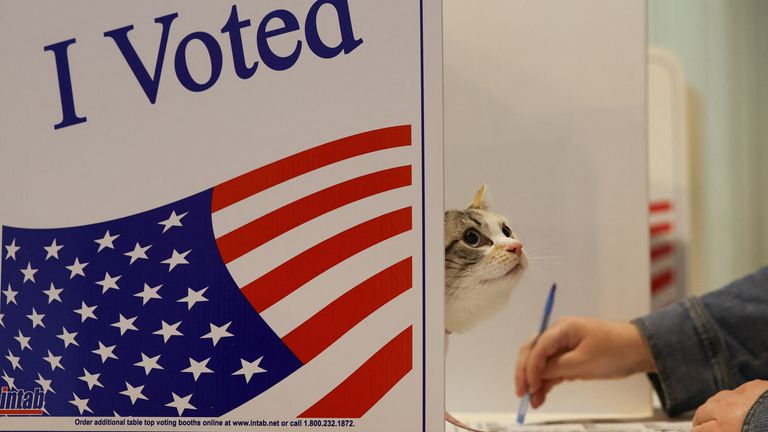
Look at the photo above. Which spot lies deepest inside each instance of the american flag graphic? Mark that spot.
(269, 284)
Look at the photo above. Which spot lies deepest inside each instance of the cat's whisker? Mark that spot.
(541, 246)
(473, 278)
(540, 271)
(536, 257)
(538, 274)
(537, 253)
(538, 249)
(548, 258)
(533, 248)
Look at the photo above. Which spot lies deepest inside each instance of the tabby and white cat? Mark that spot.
(484, 260)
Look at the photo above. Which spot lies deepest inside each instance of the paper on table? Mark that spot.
(580, 427)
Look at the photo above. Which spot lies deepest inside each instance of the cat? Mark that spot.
(484, 260)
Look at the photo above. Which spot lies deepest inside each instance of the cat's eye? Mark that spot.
(506, 231)
(472, 238)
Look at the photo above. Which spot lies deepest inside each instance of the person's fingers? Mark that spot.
(570, 364)
(703, 414)
(549, 384)
(708, 411)
(538, 398)
(710, 426)
(521, 385)
(550, 342)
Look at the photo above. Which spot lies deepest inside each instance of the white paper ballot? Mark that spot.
(578, 427)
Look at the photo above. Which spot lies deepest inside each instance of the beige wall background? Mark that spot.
(722, 46)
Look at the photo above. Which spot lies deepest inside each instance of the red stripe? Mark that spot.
(327, 326)
(660, 206)
(239, 188)
(254, 234)
(369, 383)
(661, 250)
(661, 280)
(660, 228)
(21, 412)
(292, 274)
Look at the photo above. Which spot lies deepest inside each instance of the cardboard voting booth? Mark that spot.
(546, 103)
(216, 215)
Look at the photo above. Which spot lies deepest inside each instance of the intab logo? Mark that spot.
(21, 402)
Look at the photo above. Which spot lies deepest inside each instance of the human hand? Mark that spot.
(726, 411)
(580, 348)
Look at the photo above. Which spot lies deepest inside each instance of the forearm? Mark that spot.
(702, 346)
(691, 360)
(740, 311)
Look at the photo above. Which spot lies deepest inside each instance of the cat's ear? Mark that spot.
(478, 202)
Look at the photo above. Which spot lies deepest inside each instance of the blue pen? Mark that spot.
(526, 400)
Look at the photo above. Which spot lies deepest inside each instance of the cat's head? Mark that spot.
(484, 259)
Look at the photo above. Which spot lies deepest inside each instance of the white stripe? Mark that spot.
(297, 307)
(299, 391)
(399, 411)
(662, 217)
(665, 240)
(230, 218)
(668, 260)
(261, 260)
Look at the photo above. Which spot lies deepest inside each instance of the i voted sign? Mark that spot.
(214, 216)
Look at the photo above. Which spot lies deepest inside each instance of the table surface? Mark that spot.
(554, 422)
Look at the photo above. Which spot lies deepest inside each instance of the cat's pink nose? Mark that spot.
(515, 247)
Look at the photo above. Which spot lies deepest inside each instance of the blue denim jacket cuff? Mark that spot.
(690, 355)
(757, 417)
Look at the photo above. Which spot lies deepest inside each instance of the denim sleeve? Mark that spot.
(757, 417)
(708, 344)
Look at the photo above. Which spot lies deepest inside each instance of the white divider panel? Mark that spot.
(545, 102)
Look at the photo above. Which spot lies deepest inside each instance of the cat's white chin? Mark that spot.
(472, 304)
(514, 271)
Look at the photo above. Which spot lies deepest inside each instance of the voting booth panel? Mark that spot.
(668, 157)
(545, 103)
(215, 216)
